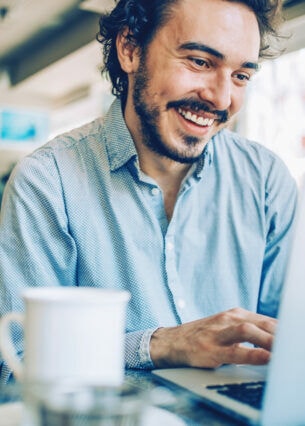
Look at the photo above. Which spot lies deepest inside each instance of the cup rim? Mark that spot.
(62, 294)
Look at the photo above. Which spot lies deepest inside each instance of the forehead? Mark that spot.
(227, 26)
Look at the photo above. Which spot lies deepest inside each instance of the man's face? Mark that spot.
(192, 78)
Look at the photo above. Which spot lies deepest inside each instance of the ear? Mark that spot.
(128, 53)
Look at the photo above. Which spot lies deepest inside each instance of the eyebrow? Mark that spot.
(216, 53)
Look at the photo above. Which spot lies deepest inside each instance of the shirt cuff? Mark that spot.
(137, 354)
(6, 375)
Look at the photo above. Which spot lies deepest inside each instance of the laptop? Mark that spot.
(277, 391)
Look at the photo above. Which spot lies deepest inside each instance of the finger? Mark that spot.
(262, 321)
(246, 332)
(239, 354)
(265, 323)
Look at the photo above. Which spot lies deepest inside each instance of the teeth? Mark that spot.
(195, 118)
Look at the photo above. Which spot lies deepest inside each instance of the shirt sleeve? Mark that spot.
(281, 198)
(137, 354)
(36, 248)
(6, 375)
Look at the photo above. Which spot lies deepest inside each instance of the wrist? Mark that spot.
(163, 347)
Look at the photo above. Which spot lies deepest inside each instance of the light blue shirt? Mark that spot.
(80, 212)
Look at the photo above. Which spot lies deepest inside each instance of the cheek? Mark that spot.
(171, 85)
(238, 98)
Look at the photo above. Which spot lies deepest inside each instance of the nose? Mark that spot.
(217, 90)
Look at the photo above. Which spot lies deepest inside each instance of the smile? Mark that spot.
(194, 118)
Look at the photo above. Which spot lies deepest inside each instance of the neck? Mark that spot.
(167, 173)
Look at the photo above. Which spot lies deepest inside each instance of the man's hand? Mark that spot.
(216, 340)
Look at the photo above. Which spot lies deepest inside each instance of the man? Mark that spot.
(158, 198)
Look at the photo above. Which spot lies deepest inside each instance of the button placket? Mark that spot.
(173, 278)
(155, 191)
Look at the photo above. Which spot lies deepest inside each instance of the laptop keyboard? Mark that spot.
(250, 393)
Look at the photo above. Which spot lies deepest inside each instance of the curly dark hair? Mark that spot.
(143, 18)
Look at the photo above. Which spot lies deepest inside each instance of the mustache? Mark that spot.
(195, 105)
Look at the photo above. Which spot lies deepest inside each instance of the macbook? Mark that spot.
(264, 395)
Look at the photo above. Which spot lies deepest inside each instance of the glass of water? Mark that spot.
(72, 404)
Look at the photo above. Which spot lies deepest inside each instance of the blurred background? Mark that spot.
(50, 80)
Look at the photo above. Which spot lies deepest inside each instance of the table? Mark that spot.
(191, 411)
(188, 410)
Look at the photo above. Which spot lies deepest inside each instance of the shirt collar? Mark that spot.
(205, 160)
(121, 148)
(119, 143)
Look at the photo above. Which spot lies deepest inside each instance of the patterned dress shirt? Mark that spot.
(80, 212)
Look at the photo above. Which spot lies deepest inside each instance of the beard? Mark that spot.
(149, 116)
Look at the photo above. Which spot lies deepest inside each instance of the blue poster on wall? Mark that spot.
(17, 126)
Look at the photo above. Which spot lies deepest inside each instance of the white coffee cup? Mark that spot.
(70, 333)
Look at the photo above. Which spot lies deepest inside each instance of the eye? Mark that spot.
(200, 63)
(242, 78)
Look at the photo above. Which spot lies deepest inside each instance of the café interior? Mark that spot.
(51, 82)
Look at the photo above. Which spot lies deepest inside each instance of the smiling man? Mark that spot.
(186, 84)
(158, 197)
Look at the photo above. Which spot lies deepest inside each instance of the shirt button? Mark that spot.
(170, 246)
(155, 191)
(181, 303)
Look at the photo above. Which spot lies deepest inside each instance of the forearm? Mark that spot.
(164, 347)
